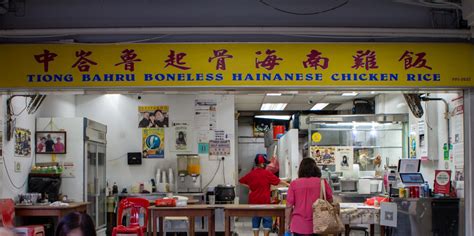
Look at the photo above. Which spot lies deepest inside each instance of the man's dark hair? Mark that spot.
(73, 221)
(308, 168)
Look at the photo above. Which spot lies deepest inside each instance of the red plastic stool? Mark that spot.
(7, 211)
(135, 205)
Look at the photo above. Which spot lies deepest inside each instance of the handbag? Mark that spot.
(326, 219)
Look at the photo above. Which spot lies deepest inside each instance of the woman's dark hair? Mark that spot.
(308, 168)
(76, 220)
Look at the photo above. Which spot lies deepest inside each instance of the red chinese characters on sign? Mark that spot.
(270, 61)
(45, 58)
(419, 61)
(220, 55)
(129, 57)
(315, 60)
(365, 59)
(83, 63)
(175, 60)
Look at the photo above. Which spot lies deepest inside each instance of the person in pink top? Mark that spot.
(302, 193)
(58, 146)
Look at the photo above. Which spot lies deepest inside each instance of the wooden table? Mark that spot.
(254, 210)
(56, 212)
(52, 211)
(191, 211)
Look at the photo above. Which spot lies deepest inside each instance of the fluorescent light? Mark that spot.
(273, 94)
(352, 94)
(373, 132)
(319, 106)
(274, 117)
(354, 131)
(273, 106)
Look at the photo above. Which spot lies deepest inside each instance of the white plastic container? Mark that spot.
(158, 176)
(374, 186)
(364, 186)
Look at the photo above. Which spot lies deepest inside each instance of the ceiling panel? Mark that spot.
(337, 99)
(277, 99)
(249, 98)
(298, 107)
(306, 98)
(248, 107)
(299, 102)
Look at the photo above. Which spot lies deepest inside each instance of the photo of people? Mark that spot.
(344, 158)
(181, 135)
(51, 142)
(153, 116)
(323, 155)
(344, 162)
(22, 142)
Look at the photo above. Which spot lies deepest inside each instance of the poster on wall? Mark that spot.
(153, 143)
(203, 149)
(218, 148)
(344, 158)
(412, 142)
(422, 141)
(261, 126)
(205, 114)
(203, 142)
(323, 155)
(181, 132)
(153, 116)
(457, 120)
(22, 142)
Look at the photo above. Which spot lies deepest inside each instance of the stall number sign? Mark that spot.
(442, 182)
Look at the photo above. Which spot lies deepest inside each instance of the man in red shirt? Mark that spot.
(259, 181)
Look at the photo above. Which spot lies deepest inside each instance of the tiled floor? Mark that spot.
(243, 227)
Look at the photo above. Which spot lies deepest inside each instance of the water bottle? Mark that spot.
(426, 189)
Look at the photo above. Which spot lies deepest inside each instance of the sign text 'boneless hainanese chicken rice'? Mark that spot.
(237, 65)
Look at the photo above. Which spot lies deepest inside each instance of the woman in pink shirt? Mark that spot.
(303, 192)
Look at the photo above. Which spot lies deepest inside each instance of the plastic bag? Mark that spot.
(274, 165)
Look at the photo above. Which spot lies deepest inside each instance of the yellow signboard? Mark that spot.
(285, 65)
(316, 137)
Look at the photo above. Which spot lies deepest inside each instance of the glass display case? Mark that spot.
(374, 140)
(95, 172)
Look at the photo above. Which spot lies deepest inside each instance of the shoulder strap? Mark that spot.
(322, 193)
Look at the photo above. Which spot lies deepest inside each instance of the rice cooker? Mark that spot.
(224, 193)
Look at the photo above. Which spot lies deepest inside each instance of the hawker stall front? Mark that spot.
(186, 132)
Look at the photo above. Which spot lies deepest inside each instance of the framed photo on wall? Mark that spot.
(50, 142)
